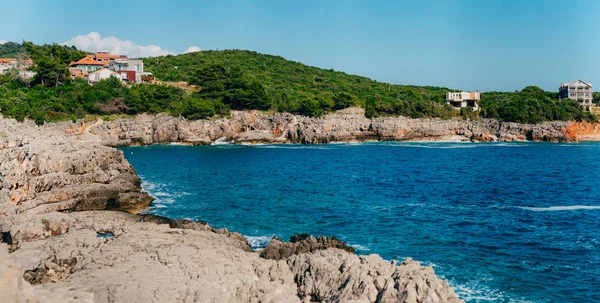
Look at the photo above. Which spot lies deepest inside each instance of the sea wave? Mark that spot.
(434, 145)
(258, 242)
(561, 208)
(161, 193)
(477, 292)
(294, 146)
(221, 141)
(359, 247)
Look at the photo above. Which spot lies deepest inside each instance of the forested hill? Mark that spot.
(237, 79)
(11, 50)
(296, 87)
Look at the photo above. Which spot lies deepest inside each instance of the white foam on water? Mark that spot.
(476, 292)
(221, 141)
(291, 146)
(434, 145)
(359, 247)
(258, 242)
(561, 208)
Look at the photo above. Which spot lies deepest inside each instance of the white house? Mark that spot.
(128, 65)
(101, 74)
(579, 91)
(88, 64)
(459, 100)
(6, 64)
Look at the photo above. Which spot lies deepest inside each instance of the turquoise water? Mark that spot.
(515, 222)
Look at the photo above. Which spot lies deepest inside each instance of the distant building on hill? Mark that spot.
(102, 74)
(87, 64)
(579, 91)
(19, 66)
(128, 70)
(6, 64)
(106, 58)
(459, 100)
(128, 76)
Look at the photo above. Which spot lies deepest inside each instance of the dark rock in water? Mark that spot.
(302, 243)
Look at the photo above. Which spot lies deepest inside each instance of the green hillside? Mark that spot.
(289, 86)
(299, 88)
(235, 79)
(11, 50)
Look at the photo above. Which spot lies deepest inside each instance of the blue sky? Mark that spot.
(475, 45)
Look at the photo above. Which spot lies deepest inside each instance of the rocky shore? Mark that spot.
(349, 125)
(72, 232)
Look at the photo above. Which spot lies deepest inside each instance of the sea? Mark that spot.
(502, 222)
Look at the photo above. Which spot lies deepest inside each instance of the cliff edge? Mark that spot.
(69, 217)
(348, 125)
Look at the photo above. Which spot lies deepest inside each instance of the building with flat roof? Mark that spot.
(459, 100)
(579, 91)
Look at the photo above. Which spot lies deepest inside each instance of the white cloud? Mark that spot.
(3, 41)
(192, 49)
(93, 42)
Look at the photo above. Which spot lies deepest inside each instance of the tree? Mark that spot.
(344, 100)
(195, 109)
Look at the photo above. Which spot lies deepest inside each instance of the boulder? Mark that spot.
(303, 243)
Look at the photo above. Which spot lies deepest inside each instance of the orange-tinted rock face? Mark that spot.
(582, 131)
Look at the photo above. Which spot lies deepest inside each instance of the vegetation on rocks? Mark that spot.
(236, 79)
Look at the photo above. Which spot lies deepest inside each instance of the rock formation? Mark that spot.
(69, 204)
(279, 250)
(347, 125)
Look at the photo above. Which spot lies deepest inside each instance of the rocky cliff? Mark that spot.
(69, 204)
(71, 232)
(348, 125)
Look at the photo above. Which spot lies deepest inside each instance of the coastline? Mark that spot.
(349, 125)
(63, 186)
(69, 209)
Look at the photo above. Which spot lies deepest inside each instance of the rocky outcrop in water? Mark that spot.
(121, 257)
(68, 207)
(336, 276)
(304, 243)
(347, 125)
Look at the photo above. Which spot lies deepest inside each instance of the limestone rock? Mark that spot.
(348, 125)
(336, 276)
(60, 182)
(278, 250)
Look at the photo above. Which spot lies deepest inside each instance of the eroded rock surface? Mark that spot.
(68, 204)
(336, 276)
(347, 125)
(279, 250)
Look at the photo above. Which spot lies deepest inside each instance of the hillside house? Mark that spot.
(459, 100)
(106, 58)
(6, 64)
(128, 76)
(102, 74)
(77, 73)
(87, 64)
(20, 66)
(579, 91)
